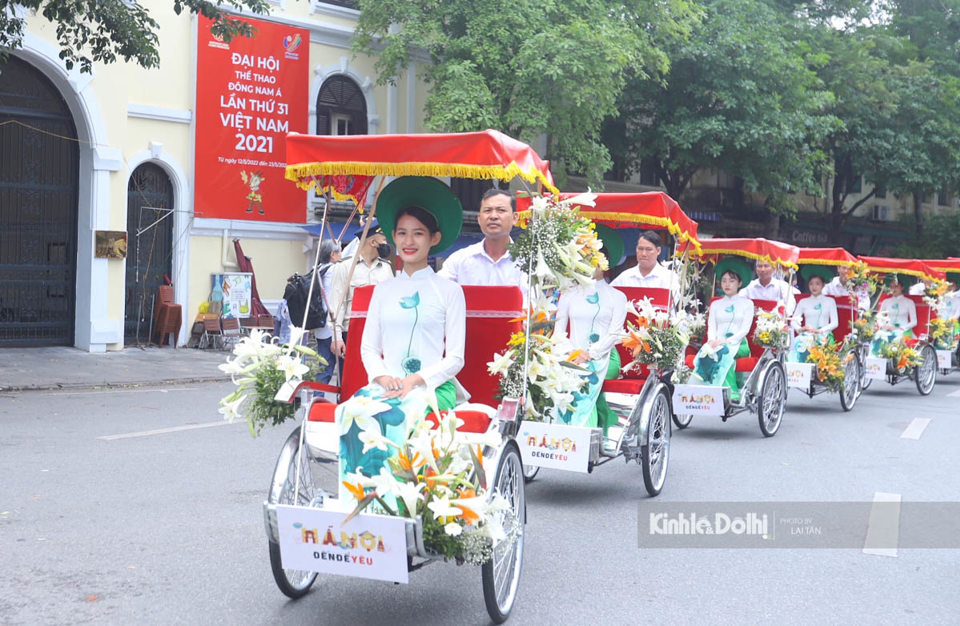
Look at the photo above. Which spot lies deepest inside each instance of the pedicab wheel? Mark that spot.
(530, 472)
(501, 574)
(682, 421)
(927, 370)
(850, 387)
(293, 583)
(773, 400)
(655, 450)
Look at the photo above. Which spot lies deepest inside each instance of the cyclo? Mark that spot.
(944, 325)
(807, 376)
(308, 473)
(764, 386)
(641, 398)
(905, 358)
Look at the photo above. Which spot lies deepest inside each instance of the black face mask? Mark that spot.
(384, 250)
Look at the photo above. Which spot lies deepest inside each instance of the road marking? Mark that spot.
(164, 431)
(954, 394)
(915, 428)
(883, 527)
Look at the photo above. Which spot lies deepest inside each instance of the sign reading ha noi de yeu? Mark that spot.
(250, 93)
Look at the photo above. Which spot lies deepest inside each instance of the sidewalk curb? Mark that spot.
(114, 385)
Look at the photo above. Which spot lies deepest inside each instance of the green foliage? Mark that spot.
(940, 238)
(101, 31)
(526, 67)
(742, 96)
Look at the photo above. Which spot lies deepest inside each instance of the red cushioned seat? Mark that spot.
(688, 360)
(624, 385)
(322, 411)
(746, 364)
(473, 421)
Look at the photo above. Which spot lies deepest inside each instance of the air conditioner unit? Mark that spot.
(880, 213)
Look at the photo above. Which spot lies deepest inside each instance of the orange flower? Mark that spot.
(355, 489)
(573, 355)
(631, 342)
(902, 363)
(409, 463)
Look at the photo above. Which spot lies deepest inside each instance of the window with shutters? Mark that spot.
(341, 107)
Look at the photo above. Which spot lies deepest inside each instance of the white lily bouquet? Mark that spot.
(437, 474)
(557, 246)
(259, 369)
(658, 338)
(551, 378)
(771, 330)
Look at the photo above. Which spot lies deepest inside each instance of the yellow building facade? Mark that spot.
(128, 167)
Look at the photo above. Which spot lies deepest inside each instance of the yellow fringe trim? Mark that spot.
(831, 262)
(889, 270)
(599, 216)
(750, 255)
(300, 171)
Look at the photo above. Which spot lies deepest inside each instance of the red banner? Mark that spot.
(250, 93)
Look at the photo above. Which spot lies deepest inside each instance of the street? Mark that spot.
(140, 506)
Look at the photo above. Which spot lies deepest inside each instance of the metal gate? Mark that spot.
(39, 165)
(149, 248)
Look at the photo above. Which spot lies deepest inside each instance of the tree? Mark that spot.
(90, 31)
(526, 67)
(740, 96)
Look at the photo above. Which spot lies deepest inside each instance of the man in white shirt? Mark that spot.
(488, 262)
(648, 272)
(838, 287)
(766, 287)
(370, 270)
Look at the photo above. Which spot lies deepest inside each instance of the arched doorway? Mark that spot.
(341, 107)
(149, 248)
(39, 175)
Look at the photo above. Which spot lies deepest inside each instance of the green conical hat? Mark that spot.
(738, 265)
(613, 242)
(825, 272)
(427, 193)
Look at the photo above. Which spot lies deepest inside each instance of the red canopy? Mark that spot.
(758, 249)
(910, 267)
(944, 265)
(826, 256)
(654, 209)
(346, 165)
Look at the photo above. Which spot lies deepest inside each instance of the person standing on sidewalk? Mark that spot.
(370, 269)
(328, 257)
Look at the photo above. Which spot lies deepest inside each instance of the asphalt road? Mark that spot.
(140, 506)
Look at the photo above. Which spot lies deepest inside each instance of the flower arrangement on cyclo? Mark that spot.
(829, 361)
(658, 338)
(863, 328)
(558, 249)
(943, 333)
(551, 378)
(860, 280)
(260, 367)
(437, 475)
(771, 330)
(901, 354)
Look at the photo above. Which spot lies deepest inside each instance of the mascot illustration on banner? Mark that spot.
(253, 181)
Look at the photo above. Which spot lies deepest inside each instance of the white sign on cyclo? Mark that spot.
(698, 400)
(555, 446)
(875, 368)
(944, 359)
(799, 374)
(368, 546)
